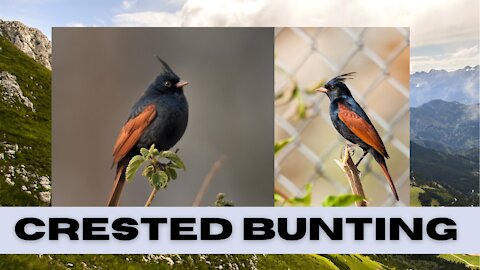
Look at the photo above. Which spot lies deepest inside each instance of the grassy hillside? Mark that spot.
(261, 262)
(414, 195)
(355, 261)
(471, 261)
(449, 179)
(31, 131)
(427, 193)
(417, 262)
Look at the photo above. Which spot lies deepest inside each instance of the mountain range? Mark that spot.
(459, 85)
(444, 134)
(450, 127)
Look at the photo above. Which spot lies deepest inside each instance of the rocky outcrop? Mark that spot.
(11, 92)
(29, 40)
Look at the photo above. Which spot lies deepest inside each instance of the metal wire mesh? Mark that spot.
(306, 58)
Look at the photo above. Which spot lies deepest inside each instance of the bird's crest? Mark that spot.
(343, 77)
(166, 68)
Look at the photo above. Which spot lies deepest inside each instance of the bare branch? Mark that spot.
(208, 178)
(351, 171)
(152, 195)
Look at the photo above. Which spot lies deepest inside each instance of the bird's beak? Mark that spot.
(181, 84)
(322, 89)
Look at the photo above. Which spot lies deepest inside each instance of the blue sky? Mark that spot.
(43, 14)
(444, 33)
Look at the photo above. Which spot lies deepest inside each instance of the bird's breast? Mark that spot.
(169, 124)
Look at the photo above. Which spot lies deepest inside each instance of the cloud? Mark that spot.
(466, 52)
(451, 61)
(147, 18)
(75, 24)
(128, 4)
(431, 21)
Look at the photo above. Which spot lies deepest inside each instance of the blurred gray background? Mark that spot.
(99, 73)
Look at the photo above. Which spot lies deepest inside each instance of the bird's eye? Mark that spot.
(168, 83)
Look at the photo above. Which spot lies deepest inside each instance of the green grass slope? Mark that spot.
(294, 261)
(471, 261)
(414, 195)
(454, 170)
(354, 261)
(261, 262)
(31, 131)
(134, 262)
(446, 179)
(416, 262)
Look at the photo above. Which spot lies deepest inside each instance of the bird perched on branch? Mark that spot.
(159, 117)
(354, 125)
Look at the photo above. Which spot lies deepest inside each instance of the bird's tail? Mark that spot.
(381, 161)
(118, 185)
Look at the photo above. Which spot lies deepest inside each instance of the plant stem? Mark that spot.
(152, 195)
(206, 181)
(351, 172)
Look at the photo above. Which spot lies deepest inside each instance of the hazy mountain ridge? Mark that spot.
(444, 152)
(451, 127)
(460, 85)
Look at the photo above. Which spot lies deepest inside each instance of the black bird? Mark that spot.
(159, 117)
(354, 125)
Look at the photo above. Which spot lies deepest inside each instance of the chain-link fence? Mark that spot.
(307, 57)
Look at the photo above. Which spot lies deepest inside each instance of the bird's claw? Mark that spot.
(350, 147)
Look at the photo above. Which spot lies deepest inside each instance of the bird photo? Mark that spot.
(351, 121)
(126, 101)
(342, 116)
(159, 117)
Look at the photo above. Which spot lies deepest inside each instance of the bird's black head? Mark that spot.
(336, 87)
(167, 82)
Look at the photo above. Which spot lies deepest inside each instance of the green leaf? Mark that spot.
(133, 167)
(148, 171)
(155, 180)
(172, 173)
(279, 145)
(163, 179)
(305, 200)
(144, 152)
(152, 147)
(159, 179)
(156, 153)
(168, 154)
(277, 198)
(178, 163)
(222, 201)
(342, 200)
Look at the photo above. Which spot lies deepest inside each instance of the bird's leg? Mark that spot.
(351, 146)
(364, 154)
